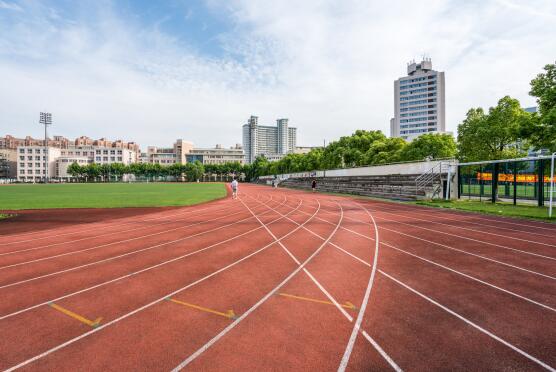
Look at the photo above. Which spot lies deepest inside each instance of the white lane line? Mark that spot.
(437, 215)
(131, 274)
(75, 339)
(356, 327)
(471, 239)
(462, 213)
(469, 322)
(323, 290)
(215, 339)
(102, 235)
(473, 254)
(121, 242)
(446, 268)
(161, 299)
(473, 278)
(331, 298)
(382, 352)
(475, 230)
(458, 250)
(106, 224)
(116, 232)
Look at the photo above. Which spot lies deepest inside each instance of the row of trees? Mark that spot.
(505, 131)
(115, 171)
(360, 149)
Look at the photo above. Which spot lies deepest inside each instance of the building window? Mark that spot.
(29, 164)
(29, 158)
(22, 151)
(37, 165)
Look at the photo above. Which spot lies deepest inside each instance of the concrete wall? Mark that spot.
(376, 170)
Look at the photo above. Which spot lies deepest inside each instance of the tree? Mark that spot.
(430, 145)
(194, 170)
(384, 150)
(495, 135)
(542, 131)
(76, 170)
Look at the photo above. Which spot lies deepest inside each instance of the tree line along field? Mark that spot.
(107, 195)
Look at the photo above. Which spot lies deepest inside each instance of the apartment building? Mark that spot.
(419, 102)
(8, 163)
(272, 142)
(36, 163)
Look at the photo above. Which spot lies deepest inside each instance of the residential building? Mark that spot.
(8, 163)
(35, 163)
(217, 155)
(419, 102)
(272, 142)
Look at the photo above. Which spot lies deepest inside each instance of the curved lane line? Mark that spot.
(161, 299)
(106, 234)
(356, 327)
(215, 339)
(130, 274)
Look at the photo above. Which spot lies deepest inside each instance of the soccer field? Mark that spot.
(111, 195)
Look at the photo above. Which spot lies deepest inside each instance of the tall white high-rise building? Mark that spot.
(272, 142)
(419, 102)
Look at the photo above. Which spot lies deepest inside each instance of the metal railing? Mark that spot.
(432, 179)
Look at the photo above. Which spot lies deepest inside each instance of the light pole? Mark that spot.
(46, 120)
(551, 184)
(323, 149)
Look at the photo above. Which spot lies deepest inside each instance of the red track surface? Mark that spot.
(436, 290)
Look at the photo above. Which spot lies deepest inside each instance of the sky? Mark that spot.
(154, 71)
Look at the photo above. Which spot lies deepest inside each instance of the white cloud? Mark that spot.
(10, 6)
(328, 66)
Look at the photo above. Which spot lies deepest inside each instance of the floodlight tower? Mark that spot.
(46, 120)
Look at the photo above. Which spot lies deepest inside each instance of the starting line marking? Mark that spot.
(92, 323)
(347, 304)
(228, 314)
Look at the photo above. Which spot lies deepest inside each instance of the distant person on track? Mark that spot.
(314, 185)
(234, 186)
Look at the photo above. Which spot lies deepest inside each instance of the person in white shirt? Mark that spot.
(234, 185)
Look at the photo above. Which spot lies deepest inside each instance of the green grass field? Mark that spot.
(111, 195)
(500, 209)
(523, 191)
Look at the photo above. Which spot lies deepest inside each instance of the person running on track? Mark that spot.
(234, 185)
(314, 185)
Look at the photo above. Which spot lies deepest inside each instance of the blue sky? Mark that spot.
(152, 72)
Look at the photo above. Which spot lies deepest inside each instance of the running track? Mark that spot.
(313, 282)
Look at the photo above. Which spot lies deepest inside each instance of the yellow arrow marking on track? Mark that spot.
(93, 323)
(228, 314)
(347, 304)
